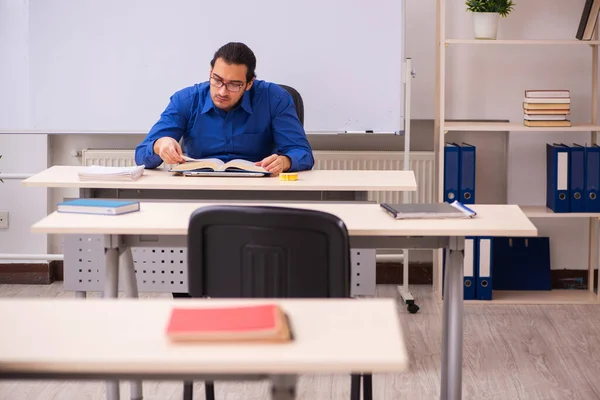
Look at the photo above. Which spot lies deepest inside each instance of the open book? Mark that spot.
(216, 165)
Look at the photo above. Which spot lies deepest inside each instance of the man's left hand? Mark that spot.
(275, 164)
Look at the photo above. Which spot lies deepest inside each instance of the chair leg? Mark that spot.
(367, 387)
(355, 387)
(209, 390)
(188, 390)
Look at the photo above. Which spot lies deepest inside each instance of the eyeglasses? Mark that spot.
(232, 87)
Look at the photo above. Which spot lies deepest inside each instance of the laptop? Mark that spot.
(428, 210)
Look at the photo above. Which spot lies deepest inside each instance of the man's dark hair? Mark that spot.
(237, 53)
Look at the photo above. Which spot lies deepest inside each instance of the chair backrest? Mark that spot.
(298, 103)
(267, 252)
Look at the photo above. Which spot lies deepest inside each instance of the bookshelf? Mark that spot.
(442, 126)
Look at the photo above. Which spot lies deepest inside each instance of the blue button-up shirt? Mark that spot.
(263, 123)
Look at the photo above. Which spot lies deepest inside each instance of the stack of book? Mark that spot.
(102, 173)
(547, 108)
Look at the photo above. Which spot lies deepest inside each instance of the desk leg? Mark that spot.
(131, 290)
(445, 310)
(283, 387)
(452, 336)
(126, 264)
(111, 286)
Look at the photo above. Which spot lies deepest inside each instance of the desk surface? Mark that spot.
(315, 180)
(128, 336)
(361, 219)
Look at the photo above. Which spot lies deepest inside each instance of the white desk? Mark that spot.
(161, 185)
(365, 223)
(153, 182)
(97, 339)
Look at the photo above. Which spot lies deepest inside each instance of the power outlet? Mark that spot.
(3, 219)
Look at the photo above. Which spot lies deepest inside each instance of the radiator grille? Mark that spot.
(108, 157)
(420, 162)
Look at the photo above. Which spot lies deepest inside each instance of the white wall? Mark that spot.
(20, 153)
(482, 82)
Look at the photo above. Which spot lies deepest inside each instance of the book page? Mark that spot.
(244, 165)
(212, 163)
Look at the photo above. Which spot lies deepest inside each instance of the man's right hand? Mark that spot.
(168, 150)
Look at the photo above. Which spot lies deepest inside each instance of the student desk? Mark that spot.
(83, 274)
(319, 185)
(368, 225)
(97, 339)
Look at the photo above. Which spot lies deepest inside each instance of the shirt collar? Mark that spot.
(208, 103)
(246, 104)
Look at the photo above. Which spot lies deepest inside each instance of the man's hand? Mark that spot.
(275, 164)
(169, 150)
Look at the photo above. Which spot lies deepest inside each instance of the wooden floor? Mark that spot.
(511, 352)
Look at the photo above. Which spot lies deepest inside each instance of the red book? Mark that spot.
(266, 322)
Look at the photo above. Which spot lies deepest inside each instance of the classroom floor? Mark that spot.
(511, 352)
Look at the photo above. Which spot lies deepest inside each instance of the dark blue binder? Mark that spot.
(467, 174)
(557, 178)
(521, 263)
(592, 179)
(451, 172)
(484, 268)
(576, 178)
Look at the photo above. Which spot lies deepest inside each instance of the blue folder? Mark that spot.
(557, 177)
(521, 263)
(592, 179)
(451, 172)
(576, 178)
(467, 174)
(484, 267)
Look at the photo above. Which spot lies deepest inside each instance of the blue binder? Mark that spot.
(469, 267)
(557, 177)
(592, 179)
(521, 263)
(467, 174)
(576, 178)
(484, 268)
(451, 172)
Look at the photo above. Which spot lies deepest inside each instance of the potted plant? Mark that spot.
(486, 14)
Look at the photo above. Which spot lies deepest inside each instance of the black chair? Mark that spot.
(298, 103)
(268, 252)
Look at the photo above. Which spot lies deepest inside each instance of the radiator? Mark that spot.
(421, 162)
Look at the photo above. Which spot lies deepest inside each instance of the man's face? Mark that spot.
(230, 77)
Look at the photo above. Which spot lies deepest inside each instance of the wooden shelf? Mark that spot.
(514, 127)
(544, 212)
(556, 296)
(524, 41)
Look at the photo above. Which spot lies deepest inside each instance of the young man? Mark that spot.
(233, 115)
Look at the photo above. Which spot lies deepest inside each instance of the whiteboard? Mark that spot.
(113, 64)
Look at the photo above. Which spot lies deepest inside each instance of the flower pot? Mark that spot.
(485, 25)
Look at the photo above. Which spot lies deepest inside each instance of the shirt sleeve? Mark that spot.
(289, 136)
(172, 123)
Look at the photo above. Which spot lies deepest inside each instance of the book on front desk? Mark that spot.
(256, 323)
(98, 206)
